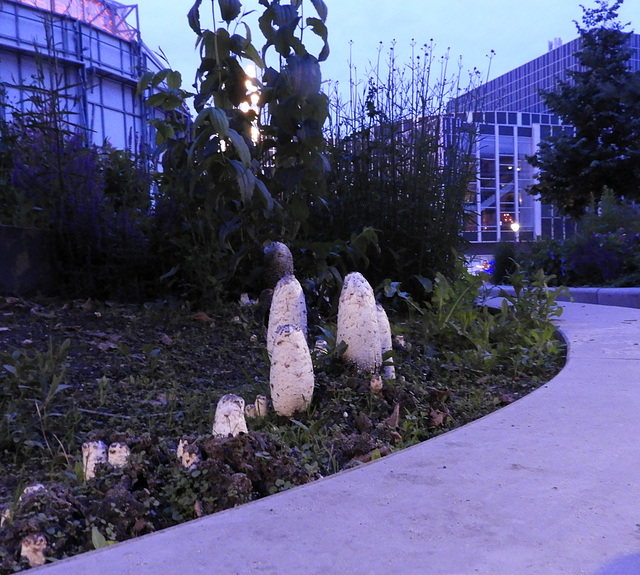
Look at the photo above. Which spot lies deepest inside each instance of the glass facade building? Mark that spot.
(511, 120)
(88, 50)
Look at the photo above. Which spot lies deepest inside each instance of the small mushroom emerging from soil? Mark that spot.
(376, 383)
(291, 376)
(32, 549)
(188, 453)
(93, 453)
(278, 263)
(32, 489)
(358, 324)
(288, 307)
(257, 409)
(386, 343)
(229, 417)
(119, 454)
(261, 405)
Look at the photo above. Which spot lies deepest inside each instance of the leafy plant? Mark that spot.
(30, 390)
(510, 340)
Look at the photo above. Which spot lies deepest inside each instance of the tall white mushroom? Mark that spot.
(386, 344)
(278, 263)
(291, 375)
(93, 452)
(288, 307)
(358, 324)
(229, 417)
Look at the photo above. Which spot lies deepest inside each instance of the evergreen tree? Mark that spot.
(601, 101)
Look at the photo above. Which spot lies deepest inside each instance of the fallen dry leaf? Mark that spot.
(38, 313)
(394, 418)
(506, 399)
(201, 316)
(437, 417)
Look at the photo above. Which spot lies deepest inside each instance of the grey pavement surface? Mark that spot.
(613, 296)
(548, 485)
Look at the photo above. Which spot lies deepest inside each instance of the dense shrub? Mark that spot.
(96, 200)
(605, 251)
(401, 164)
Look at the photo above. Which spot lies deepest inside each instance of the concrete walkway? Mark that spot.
(548, 485)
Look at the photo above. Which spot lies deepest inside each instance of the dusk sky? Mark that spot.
(517, 31)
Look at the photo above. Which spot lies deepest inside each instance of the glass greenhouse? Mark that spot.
(89, 52)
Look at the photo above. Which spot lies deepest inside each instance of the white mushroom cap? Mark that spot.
(257, 409)
(358, 323)
(291, 376)
(288, 307)
(229, 417)
(386, 343)
(278, 262)
(93, 452)
(32, 489)
(119, 454)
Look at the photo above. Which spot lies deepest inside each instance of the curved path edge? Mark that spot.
(547, 485)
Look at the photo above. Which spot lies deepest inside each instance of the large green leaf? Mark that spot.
(320, 29)
(230, 9)
(174, 80)
(144, 82)
(241, 147)
(245, 179)
(193, 17)
(321, 9)
(219, 122)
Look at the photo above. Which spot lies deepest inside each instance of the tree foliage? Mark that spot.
(601, 101)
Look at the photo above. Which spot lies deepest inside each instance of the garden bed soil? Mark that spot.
(150, 375)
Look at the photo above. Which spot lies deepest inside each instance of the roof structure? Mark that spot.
(108, 16)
